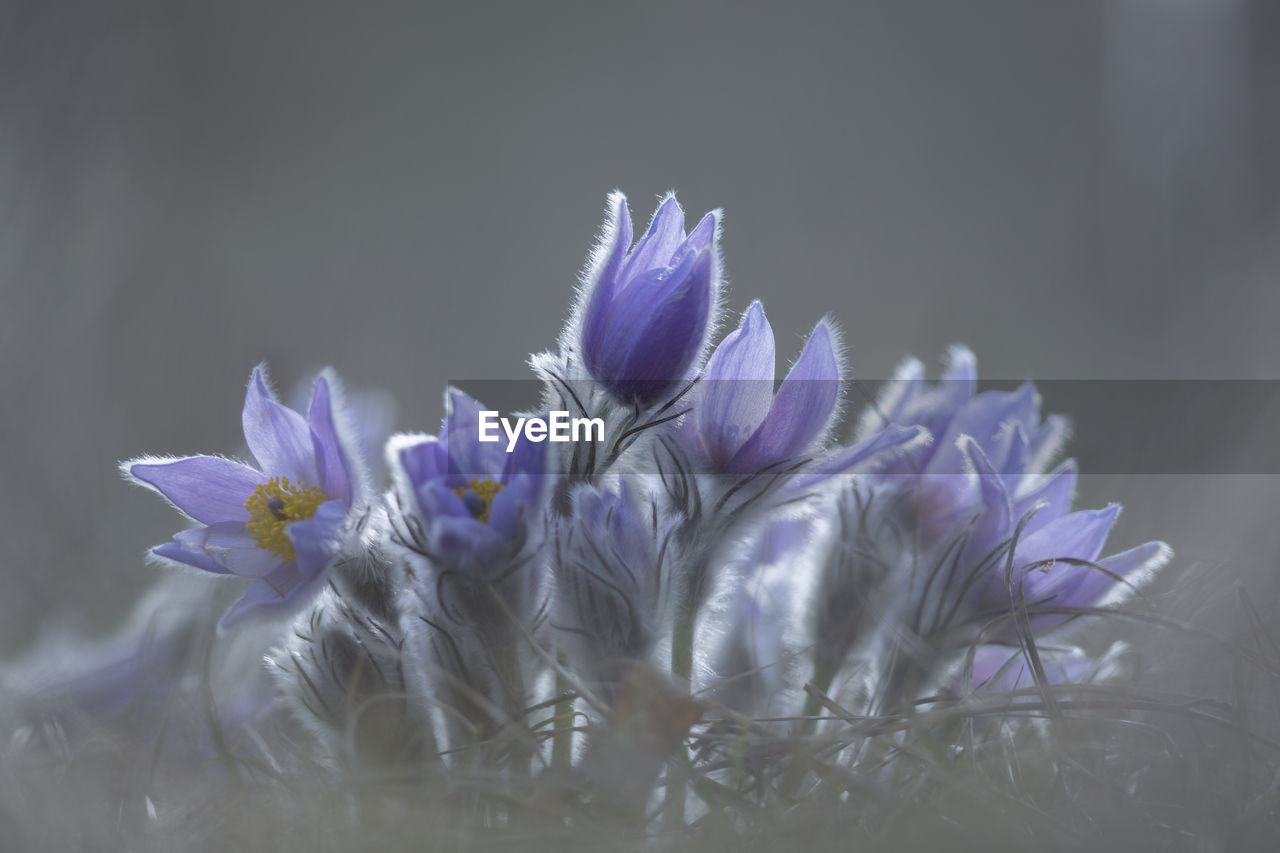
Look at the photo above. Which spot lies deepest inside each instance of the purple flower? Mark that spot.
(1005, 426)
(646, 312)
(281, 523)
(958, 505)
(1056, 559)
(753, 660)
(476, 502)
(371, 413)
(607, 571)
(739, 426)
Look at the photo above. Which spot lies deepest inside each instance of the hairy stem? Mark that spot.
(562, 740)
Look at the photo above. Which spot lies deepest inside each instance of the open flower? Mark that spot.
(983, 487)
(647, 312)
(281, 523)
(1056, 558)
(476, 502)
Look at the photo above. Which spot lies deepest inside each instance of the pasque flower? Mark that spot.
(738, 425)
(645, 313)
(476, 502)
(1006, 427)
(752, 661)
(1056, 559)
(607, 569)
(281, 522)
(981, 489)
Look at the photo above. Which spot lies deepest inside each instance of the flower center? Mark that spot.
(478, 496)
(273, 505)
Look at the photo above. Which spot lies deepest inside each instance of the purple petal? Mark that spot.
(631, 317)
(700, 237)
(1078, 536)
(435, 498)
(996, 521)
(278, 437)
(331, 460)
(424, 460)
(1047, 440)
(471, 545)
(191, 557)
(933, 408)
(660, 352)
(983, 418)
(224, 548)
(318, 540)
(962, 368)
(615, 240)
(659, 243)
(1012, 453)
(1002, 668)
(802, 409)
(275, 594)
(512, 507)
(469, 458)
(895, 399)
(868, 455)
(1124, 573)
(1055, 490)
(618, 237)
(206, 488)
(737, 388)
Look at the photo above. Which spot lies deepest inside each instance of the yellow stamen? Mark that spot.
(484, 491)
(273, 505)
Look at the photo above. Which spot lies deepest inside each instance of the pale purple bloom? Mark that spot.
(753, 660)
(281, 522)
(647, 312)
(140, 683)
(957, 505)
(607, 570)
(1005, 426)
(371, 414)
(1056, 561)
(477, 503)
(740, 426)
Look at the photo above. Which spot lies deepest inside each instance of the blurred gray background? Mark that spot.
(406, 192)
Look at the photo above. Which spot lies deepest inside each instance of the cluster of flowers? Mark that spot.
(721, 553)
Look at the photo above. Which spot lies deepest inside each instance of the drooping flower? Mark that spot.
(477, 503)
(282, 522)
(645, 313)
